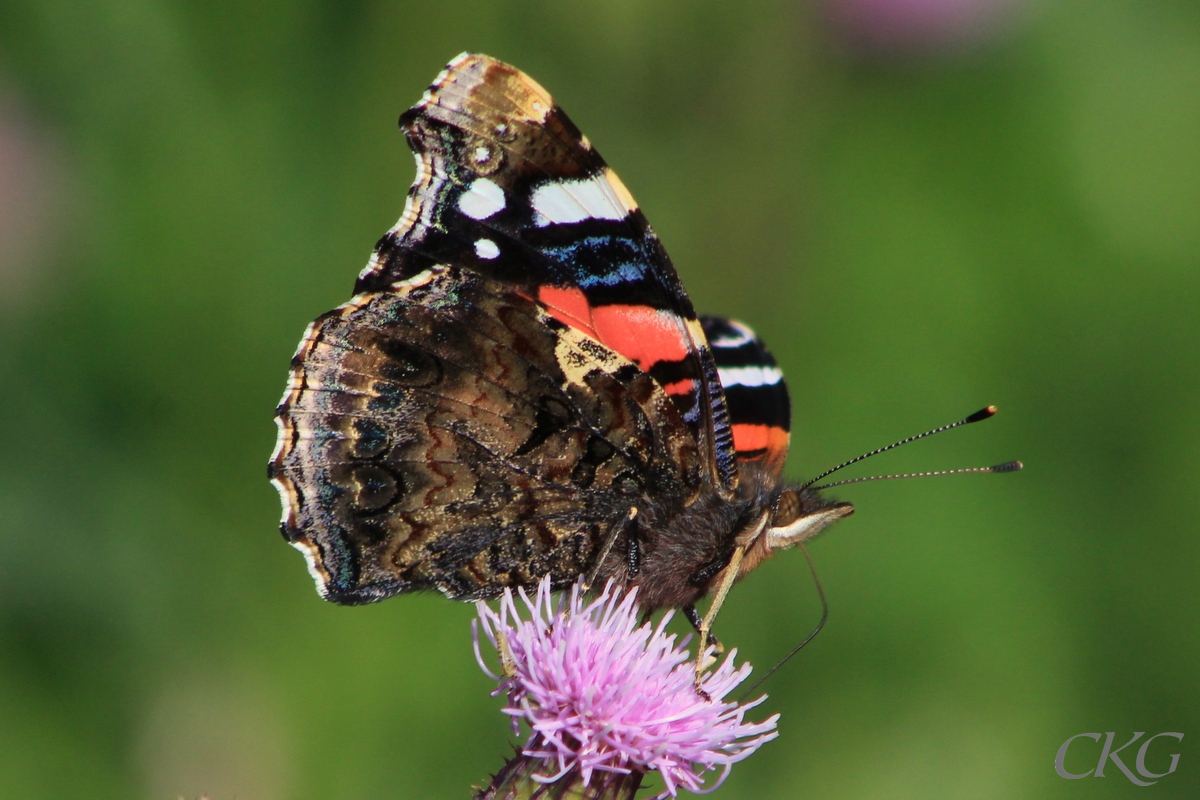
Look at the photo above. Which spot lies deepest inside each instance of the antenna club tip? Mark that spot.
(981, 414)
(1009, 466)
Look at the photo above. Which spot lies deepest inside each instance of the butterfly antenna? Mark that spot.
(824, 618)
(1007, 466)
(978, 416)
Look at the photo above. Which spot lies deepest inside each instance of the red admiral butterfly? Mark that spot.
(520, 386)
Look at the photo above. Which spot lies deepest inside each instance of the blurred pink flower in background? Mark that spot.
(602, 694)
(911, 26)
(31, 184)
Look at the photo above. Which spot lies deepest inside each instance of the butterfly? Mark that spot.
(520, 386)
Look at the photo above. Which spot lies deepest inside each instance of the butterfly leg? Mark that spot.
(693, 616)
(724, 584)
(634, 564)
(609, 541)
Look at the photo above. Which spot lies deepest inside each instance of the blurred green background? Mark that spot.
(922, 206)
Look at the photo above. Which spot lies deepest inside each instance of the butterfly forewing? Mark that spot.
(509, 187)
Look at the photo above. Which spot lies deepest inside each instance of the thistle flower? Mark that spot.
(605, 695)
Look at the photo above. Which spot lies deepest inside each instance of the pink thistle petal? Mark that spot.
(602, 693)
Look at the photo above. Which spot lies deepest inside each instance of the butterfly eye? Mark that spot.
(787, 509)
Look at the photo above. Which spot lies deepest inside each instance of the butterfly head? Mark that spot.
(797, 515)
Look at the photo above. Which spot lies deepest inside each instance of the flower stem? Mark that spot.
(516, 781)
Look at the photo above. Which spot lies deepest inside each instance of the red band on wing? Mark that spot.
(680, 387)
(642, 334)
(569, 306)
(754, 442)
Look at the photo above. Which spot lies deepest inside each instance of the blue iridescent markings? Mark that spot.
(600, 261)
(624, 273)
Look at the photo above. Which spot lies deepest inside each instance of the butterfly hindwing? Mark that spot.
(507, 186)
(449, 433)
(760, 411)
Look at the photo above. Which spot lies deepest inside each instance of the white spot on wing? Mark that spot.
(562, 202)
(486, 248)
(482, 199)
(750, 376)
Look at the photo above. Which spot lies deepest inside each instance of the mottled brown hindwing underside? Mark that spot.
(450, 434)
